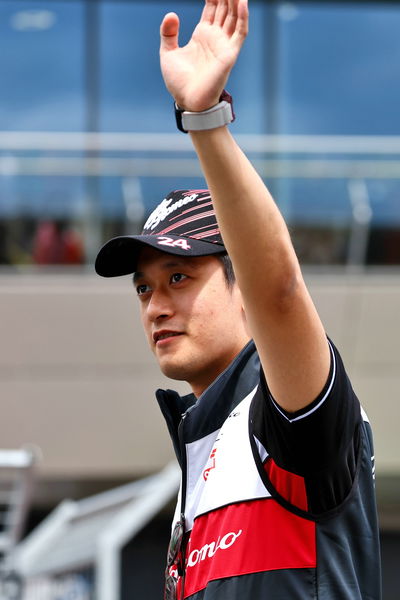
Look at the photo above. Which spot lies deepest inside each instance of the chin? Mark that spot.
(174, 372)
(178, 370)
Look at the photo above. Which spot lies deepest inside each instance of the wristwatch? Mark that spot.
(216, 116)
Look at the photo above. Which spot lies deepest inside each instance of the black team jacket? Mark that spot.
(277, 506)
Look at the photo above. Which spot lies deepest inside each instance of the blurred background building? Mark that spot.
(88, 147)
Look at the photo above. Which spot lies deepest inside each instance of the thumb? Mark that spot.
(169, 31)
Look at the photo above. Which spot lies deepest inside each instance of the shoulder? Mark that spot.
(312, 438)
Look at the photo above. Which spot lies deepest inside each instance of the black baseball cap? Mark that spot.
(184, 223)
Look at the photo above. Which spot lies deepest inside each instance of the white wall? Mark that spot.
(77, 380)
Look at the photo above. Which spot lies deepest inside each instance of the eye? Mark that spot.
(177, 277)
(142, 289)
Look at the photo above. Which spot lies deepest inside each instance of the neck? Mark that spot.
(206, 379)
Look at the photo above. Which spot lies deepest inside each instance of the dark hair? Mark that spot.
(228, 269)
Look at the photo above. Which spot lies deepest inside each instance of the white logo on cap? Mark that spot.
(164, 209)
(167, 241)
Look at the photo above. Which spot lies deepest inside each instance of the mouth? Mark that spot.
(159, 336)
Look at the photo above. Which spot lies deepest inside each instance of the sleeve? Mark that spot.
(320, 442)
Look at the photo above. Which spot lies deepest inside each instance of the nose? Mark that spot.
(159, 306)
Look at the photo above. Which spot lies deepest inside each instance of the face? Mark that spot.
(194, 322)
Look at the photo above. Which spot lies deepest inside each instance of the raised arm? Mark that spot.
(282, 318)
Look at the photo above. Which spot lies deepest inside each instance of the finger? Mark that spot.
(242, 22)
(221, 12)
(233, 7)
(169, 31)
(229, 26)
(231, 18)
(209, 9)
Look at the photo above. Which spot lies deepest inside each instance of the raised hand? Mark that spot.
(195, 74)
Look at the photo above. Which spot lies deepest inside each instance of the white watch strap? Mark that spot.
(216, 116)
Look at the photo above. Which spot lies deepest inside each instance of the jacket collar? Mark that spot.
(211, 409)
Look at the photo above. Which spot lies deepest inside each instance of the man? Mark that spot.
(277, 495)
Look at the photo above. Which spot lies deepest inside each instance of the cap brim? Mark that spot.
(119, 255)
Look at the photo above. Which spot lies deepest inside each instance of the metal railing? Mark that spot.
(132, 156)
(16, 478)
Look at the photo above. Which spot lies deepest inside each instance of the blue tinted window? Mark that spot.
(315, 201)
(339, 68)
(385, 202)
(133, 96)
(306, 68)
(41, 65)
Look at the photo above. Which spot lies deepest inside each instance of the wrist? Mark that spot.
(219, 115)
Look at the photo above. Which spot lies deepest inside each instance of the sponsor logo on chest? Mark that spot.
(209, 550)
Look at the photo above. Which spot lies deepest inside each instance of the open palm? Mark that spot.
(196, 74)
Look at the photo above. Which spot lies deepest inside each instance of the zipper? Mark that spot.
(183, 463)
(181, 568)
